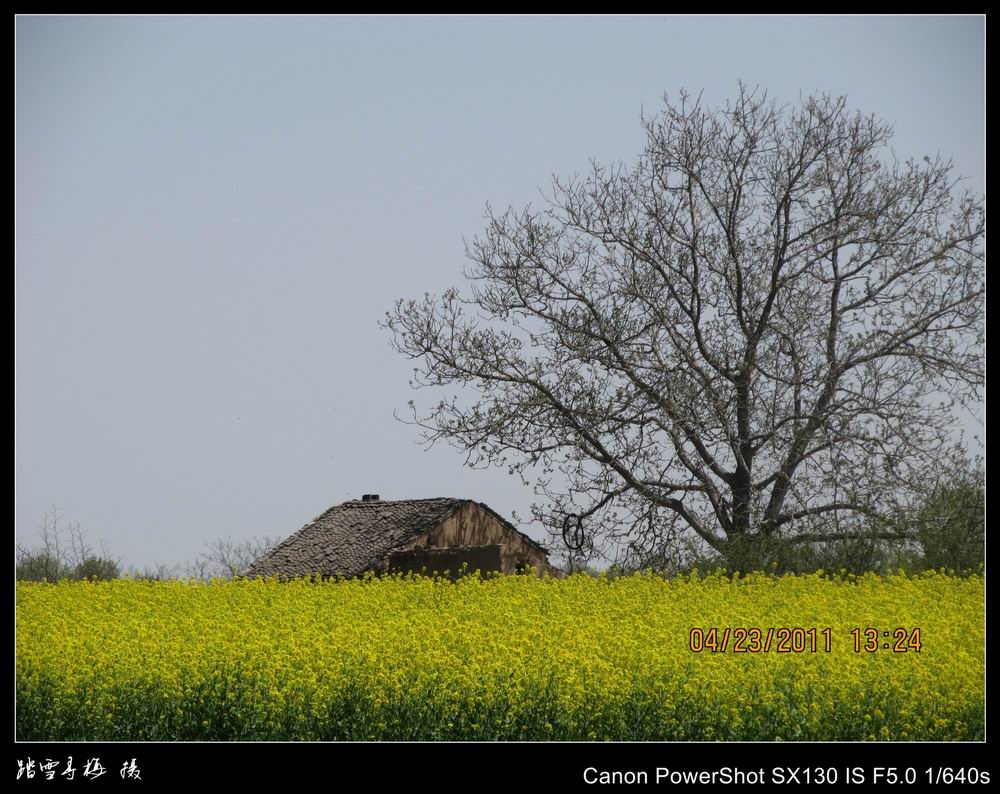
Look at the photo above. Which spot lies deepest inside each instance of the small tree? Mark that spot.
(97, 569)
(950, 524)
(755, 336)
(62, 553)
(34, 565)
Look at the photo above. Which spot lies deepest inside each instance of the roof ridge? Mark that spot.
(422, 499)
(376, 502)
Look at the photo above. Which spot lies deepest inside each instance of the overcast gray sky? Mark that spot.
(212, 214)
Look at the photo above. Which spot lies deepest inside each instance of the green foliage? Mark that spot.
(60, 553)
(945, 530)
(40, 566)
(950, 526)
(99, 569)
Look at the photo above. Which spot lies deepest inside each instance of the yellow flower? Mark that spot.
(502, 657)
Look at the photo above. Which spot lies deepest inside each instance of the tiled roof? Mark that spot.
(354, 537)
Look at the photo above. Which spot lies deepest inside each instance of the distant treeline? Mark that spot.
(62, 552)
(946, 531)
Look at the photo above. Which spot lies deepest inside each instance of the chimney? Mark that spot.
(369, 497)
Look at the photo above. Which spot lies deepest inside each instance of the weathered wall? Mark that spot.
(472, 526)
(423, 559)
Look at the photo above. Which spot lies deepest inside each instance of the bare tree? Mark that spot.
(44, 562)
(63, 552)
(223, 558)
(158, 572)
(755, 336)
(226, 557)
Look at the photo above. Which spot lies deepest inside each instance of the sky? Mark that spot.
(212, 214)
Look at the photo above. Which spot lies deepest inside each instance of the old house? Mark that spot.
(434, 535)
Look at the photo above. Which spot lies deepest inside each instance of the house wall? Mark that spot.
(424, 559)
(470, 525)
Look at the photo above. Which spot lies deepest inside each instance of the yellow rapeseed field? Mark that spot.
(502, 658)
